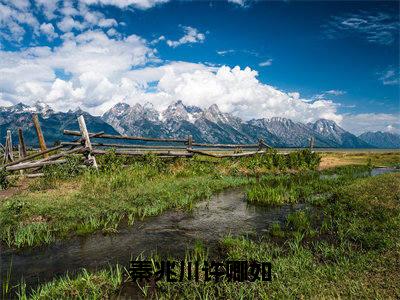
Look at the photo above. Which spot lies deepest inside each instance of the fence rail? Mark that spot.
(84, 145)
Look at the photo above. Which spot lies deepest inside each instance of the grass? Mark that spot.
(85, 285)
(305, 186)
(335, 159)
(69, 200)
(354, 254)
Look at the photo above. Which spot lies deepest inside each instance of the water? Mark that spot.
(373, 172)
(171, 233)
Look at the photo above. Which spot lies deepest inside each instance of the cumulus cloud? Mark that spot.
(360, 123)
(266, 63)
(48, 30)
(192, 35)
(15, 18)
(94, 64)
(19, 18)
(48, 7)
(238, 91)
(100, 71)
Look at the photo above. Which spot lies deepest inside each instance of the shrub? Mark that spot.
(4, 182)
(70, 169)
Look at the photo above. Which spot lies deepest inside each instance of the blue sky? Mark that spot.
(301, 60)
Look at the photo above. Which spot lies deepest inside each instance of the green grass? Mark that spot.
(355, 254)
(69, 200)
(304, 186)
(86, 285)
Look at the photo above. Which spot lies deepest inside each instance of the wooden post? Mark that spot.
(311, 143)
(85, 136)
(22, 146)
(39, 133)
(260, 144)
(20, 155)
(9, 148)
(190, 142)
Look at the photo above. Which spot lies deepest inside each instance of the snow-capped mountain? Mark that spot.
(212, 125)
(52, 123)
(333, 133)
(381, 139)
(208, 125)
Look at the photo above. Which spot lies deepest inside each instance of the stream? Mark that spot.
(171, 233)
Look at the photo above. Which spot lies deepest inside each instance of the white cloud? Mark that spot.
(242, 3)
(141, 4)
(48, 30)
(335, 92)
(48, 7)
(224, 52)
(389, 77)
(266, 63)
(324, 95)
(379, 28)
(101, 71)
(360, 123)
(18, 18)
(95, 66)
(192, 35)
(238, 91)
(157, 40)
(15, 18)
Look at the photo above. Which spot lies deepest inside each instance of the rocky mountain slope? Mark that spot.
(213, 126)
(52, 123)
(381, 139)
(208, 125)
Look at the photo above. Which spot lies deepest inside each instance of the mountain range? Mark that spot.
(178, 120)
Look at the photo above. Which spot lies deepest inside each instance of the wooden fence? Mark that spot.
(88, 144)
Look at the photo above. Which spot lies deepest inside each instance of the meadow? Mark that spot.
(346, 246)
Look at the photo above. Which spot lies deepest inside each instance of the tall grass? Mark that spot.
(354, 256)
(71, 200)
(304, 186)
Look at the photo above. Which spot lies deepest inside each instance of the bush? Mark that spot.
(4, 182)
(70, 169)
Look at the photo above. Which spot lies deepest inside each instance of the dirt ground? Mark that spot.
(17, 188)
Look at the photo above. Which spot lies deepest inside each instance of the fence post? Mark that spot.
(21, 143)
(88, 144)
(311, 143)
(8, 151)
(260, 144)
(190, 142)
(39, 133)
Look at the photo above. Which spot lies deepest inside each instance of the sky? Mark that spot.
(254, 59)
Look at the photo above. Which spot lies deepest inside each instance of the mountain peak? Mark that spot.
(381, 139)
(214, 108)
(42, 108)
(121, 106)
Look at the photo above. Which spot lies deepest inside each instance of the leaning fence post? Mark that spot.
(21, 143)
(311, 143)
(39, 133)
(85, 137)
